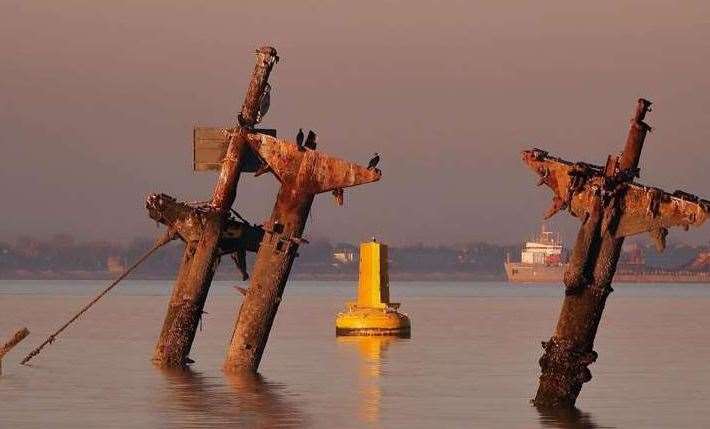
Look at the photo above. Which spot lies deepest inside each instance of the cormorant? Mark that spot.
(299, 138)
(311, 140)
(374, 161)
(264, 102)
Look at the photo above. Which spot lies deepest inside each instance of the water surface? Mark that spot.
(471, 361)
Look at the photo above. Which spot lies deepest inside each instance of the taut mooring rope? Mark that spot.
(158, 244)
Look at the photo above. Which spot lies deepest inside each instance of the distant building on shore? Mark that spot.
(344, 255)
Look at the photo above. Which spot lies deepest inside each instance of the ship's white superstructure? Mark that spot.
(542, 260)
(545, 250)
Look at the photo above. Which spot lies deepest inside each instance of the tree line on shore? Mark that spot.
(61, 256)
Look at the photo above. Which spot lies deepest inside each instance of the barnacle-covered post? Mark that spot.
(206, 226)
(611, 207)
(303, 173)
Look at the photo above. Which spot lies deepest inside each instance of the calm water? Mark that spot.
(471, 362)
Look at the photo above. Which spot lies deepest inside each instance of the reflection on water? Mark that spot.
(246, 400)
(371, 350)
(567, 419)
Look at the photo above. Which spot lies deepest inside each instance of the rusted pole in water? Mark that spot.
(271, 270)
(570, 350)
(611, 207)
(303, 173)
(12, 342)
(199, 260)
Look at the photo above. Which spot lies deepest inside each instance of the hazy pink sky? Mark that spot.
(99, 99)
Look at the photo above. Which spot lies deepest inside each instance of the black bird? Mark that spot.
(299, 138)
(264, 102)
(311, 140)
(374, 161)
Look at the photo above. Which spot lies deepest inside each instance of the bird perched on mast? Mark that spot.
(311, 140)
(299, 139)
(264, 103)
(374, 161)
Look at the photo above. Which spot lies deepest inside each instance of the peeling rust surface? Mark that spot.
(315, 171)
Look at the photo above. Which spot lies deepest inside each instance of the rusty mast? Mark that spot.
(611, 207)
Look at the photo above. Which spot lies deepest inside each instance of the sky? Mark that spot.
(98, 101)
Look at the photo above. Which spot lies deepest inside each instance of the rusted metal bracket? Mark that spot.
(188, 222)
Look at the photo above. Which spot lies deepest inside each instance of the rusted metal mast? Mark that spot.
(303, 173)
(201, 251)
(209, 231)
(611, 207)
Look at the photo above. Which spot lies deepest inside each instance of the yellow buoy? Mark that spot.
(372, 313)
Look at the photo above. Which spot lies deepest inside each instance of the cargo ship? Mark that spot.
(544, 260)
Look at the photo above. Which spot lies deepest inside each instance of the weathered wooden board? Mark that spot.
(209, 144)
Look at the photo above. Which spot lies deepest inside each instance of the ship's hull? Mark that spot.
(663, 277)
(538, 273)
(533, 273)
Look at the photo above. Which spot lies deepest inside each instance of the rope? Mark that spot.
(158, 244)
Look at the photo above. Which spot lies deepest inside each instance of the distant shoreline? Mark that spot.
(106, 275)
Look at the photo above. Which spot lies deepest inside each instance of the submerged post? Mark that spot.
(611, 207)
(201, 249)
(303, 173)
(271, 270)
(11, 343)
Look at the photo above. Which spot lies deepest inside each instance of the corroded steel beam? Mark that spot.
(200, 257)
(188, 222)
(578, 187)
(314, 171)
(303, 173)
(611, 207)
